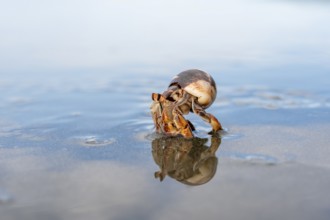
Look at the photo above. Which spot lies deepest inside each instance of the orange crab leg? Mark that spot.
(182, 123)
(209, 118)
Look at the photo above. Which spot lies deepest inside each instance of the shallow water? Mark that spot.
(76, 135)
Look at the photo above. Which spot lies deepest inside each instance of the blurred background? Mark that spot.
(257, 39)
(76, 136)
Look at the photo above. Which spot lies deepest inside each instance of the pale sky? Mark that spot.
(104, 33)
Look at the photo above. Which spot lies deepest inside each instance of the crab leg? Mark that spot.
(167, 116)
(184, 99)
(215, 143)
(156, 110)
(181, 122)
(167, 125)
(209, 118)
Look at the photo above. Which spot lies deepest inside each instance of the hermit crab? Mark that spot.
(189, 91)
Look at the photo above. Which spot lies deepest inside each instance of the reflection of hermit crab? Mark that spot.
(189, 161)
(189, 91)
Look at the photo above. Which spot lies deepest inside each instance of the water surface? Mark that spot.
(76, 135)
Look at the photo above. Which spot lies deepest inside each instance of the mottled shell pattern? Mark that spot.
(199, 84)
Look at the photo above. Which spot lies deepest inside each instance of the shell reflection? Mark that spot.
(189, 161)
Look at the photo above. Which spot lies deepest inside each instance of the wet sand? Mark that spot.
(77, 139)
(69, 155)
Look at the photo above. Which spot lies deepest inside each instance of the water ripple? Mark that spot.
(268, 98)
(95, 141)
(251, 158)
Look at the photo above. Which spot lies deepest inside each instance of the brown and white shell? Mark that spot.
(199, 84)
